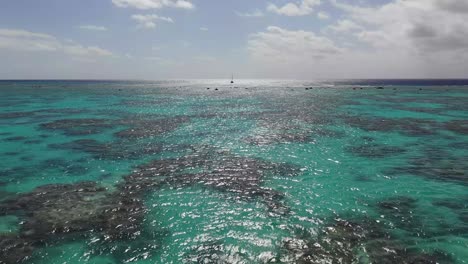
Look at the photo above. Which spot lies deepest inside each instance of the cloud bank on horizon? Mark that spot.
(302, 39)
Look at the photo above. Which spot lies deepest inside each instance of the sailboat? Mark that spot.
(232, 78)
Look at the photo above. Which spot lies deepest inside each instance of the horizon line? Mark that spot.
(201, 79)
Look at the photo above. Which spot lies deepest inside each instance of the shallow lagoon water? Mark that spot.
(258, 172)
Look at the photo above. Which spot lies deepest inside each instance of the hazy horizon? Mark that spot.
(194, 39)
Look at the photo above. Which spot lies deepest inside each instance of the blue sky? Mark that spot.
(303, 39)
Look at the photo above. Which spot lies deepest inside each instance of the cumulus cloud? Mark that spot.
(203, 28)
(282, 45)
(306, 7)
(420, 26)
(303, 54)
(149, 21)
(153, 4)
(23, 40)
(93, 28)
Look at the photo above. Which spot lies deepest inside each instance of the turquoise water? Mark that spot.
(259, 172)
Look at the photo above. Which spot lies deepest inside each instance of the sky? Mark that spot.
(205, 39)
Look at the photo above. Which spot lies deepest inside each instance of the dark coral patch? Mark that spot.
(458, 206)
(455, 204)
(13, 115)
(448, 169)
(400, 210)
(15, 249)
(368, 139)
(63, 111)
(353, 242)
(27, 158)
(33, 141)
(110, 151)
(76, 127)
(407, 126)
(457, 126)
(12, 153)
(13, 139)
(335, 244)
(240, 176)
(60, 209)
(65, 208)
(390, 251)
(374, 150)
(150, 128)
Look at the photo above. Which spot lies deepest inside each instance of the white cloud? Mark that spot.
(19, 33)
(292, 9)
(29, 41)
(204, 29)
(79, 50)
(322, 15)
(255, 13)
(154, 4)
(93, 28)
(306, 55)
(149, 21)
(428, 27)
(345, 26)
(17, 39)
(282, 45)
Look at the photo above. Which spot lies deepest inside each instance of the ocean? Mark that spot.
(261, 171)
